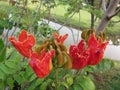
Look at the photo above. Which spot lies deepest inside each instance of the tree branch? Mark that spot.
(103, 5)
(114, 14)
(109, 13)
(112, 7)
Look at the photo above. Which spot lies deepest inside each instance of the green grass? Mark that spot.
(5, 9)
(58, 13)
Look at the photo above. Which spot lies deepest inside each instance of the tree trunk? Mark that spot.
(109, 13)
(92, 15)
(92, 21)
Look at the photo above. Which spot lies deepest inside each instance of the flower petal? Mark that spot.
(103, 45)
(55, 35)
(73, 51)
(97, 53)
(81, 60)
(31, 40)
(79, 55)
(24, 44)
(60, 39)
(63, 38)
(81, 45)
(95, 56)
(92, 42)
(41, 67)
(22, 36)
(21, 48)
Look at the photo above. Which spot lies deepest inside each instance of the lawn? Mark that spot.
(5, 9)
(84, 17)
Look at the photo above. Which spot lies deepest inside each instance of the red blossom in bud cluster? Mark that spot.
(42, 64)
(60, 39)
(96, 49)
(92, 55)
(24, 44)
(79, 55)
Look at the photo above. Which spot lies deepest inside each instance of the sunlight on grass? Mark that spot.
(59, 13)
(4, 8)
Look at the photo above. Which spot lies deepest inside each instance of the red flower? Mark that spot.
(41, 64)
(79, 55)
(60, 39)
(96, 49)
(24, 44)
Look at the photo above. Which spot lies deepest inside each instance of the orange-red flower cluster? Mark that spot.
(79, 55)
(40, 64)
(96, 49)
(60, 39)
(90, 55)
(24, 44)
(83, 54)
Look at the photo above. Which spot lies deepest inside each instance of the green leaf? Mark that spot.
(86, 83)
(11, 65)
(2, 75)
(33, 77)
(19, 79)
(65, 84)
(6, 69)
(1, 26)
(38, 81)
(71, 88)
(2, 51)
(77, 87)
(32, 85)
(105, 64)
(10, 82)
(2, 85)
(28, 73)
(16, 57)
(1, 30)
(61, 87)
(69, 80)
(115, 85)
(43, 86)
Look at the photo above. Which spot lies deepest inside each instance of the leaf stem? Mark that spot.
(56, 79)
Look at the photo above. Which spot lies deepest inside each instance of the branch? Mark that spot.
(114, 14)
(103, 5)
(109, 13)
(112, 8)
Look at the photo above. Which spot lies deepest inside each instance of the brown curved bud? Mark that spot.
(41, 47)
(102, 35)
(60, 58)
(84, 33)
(68, 64)
(90, 32)
(62, 47)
